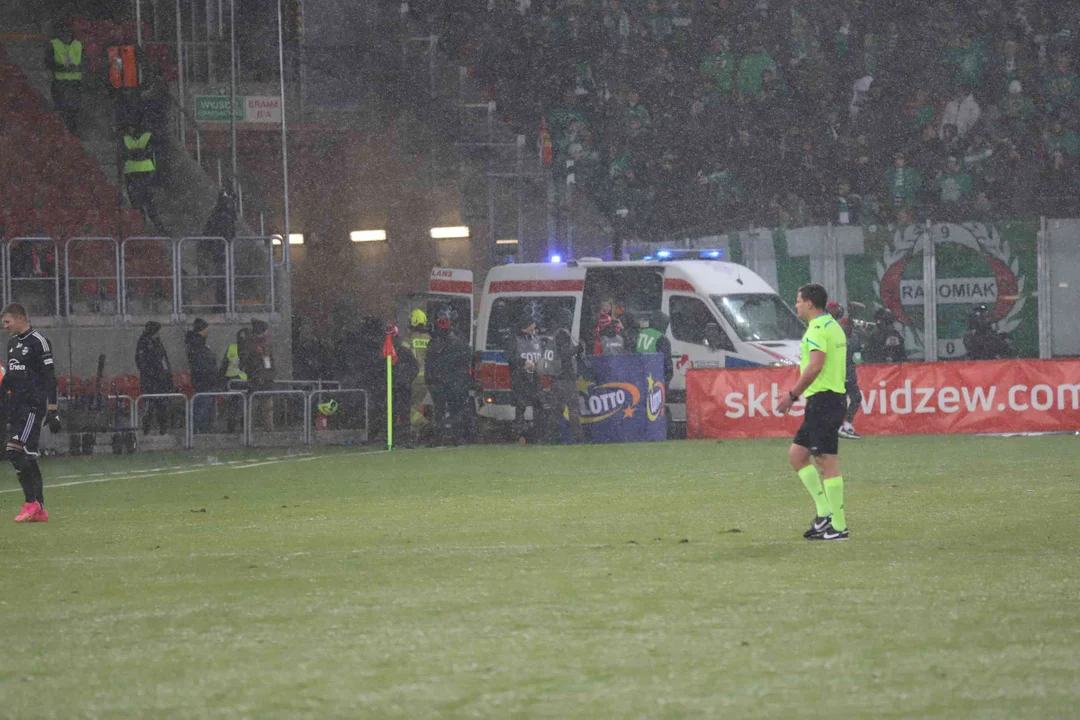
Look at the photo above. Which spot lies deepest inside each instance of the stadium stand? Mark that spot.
(707, 116)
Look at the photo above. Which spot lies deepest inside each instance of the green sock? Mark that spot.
(834, 490)
(812, 481)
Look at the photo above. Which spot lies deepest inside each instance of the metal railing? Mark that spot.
(213, 412)
(223, 419)
(31, 284)
(143, 291)
(88, 290)
(205, 291)
(252, 284)
(165, 399)
(272, 422)
(349, 423)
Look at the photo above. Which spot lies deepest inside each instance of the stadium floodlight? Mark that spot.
(663, 253)
(450, 233)
(363, 236)
(296, 238)
(556, 258)
(507, 241)
(275, 240)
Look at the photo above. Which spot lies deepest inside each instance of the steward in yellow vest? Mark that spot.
(64, 56)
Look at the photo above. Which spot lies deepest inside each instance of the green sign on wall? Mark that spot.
(215, 108)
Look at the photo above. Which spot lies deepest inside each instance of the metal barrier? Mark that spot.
(94, 294)
(218, 419)
(252, 292)
(29, 276)
(206, 291)
(161, 402)
(82, 416)
(348, 425)
(146, 292)
(276, 423)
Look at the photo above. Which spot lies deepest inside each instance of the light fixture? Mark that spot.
(296, 238)
(275, 240)
(449, 233)
(361, 236)
(556, 258)
(506, 241)
(713, 254)
(663, 253)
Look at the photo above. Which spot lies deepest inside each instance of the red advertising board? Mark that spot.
(1002, 396)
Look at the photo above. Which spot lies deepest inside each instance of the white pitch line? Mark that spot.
(94, 479)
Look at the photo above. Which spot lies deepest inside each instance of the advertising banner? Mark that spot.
(1005, 396)
(624, 399)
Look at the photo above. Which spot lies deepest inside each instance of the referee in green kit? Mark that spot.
(813, 452)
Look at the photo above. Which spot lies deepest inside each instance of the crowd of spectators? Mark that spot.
(678, 116)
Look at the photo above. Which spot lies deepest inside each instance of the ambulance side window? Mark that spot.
(689, 319)
(507, 312)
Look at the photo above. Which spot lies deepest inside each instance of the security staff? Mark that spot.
(140, 172)
(981, 341)
(418, 342)
(235, 378)
(563, 370)
(522, 354)
(449, 361)
(155, 376)
(405, 373)
(29, 392)
(657, 339)
(64, 57)
(884, 343)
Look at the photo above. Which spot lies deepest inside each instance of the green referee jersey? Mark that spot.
(823, 333)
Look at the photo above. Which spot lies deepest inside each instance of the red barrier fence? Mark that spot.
(913, 398)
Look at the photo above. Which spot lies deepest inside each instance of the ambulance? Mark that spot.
(721, 315)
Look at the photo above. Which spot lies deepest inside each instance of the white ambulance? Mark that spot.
(720, 315)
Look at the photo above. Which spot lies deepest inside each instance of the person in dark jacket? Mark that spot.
(522, 355)
(564, 378)
(448, 362)
(204, 374)
(884, 343)
(155, 375)
(981, 341)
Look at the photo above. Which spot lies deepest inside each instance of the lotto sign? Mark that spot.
(1004, 396)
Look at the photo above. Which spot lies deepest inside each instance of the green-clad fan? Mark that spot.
(813, 452)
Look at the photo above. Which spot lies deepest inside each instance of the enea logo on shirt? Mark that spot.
(15, 365)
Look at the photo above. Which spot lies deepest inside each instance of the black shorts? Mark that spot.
(820, 429)
(25, 427)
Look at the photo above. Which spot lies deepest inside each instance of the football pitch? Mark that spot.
(666, 580)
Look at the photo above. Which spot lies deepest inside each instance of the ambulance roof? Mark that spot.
(709, 277)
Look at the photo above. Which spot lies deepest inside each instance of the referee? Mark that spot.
(823, 374)
(29, 393)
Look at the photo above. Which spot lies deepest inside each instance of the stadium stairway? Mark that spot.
(187, 194)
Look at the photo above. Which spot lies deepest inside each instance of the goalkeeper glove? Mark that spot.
(52, 420)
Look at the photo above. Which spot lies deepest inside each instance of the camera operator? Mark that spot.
(981, 341)
(851, 384)
(884, 343)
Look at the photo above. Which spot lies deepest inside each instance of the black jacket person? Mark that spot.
(523, 352)
(448, 362)
(155, 375)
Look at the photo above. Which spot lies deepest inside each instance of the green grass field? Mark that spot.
(667, 580)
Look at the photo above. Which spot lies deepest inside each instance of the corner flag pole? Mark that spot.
(389, 402)
(390, 354)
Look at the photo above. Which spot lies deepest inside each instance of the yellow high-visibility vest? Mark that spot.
(140, 156)
(67, 56)
(233, 371)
